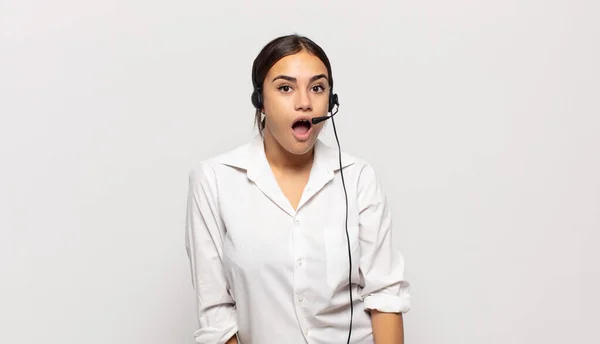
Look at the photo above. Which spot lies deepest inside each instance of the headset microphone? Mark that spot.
(333, 101)
(317, 120)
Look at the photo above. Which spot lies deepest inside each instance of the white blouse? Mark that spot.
(275, 275)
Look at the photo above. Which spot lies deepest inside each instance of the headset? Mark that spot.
(257, 101)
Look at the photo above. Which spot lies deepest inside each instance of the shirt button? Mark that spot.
(297, 222)
(300, 298)
(300, 261)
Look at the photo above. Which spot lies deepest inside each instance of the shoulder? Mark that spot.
(358, 166)
(364, 174)
(210, 169)
(358, 173)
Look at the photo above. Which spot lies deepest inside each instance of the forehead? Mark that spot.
(300, 65)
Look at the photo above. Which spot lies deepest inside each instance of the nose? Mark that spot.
(303, 102)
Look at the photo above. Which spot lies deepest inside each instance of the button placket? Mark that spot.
(300, 247)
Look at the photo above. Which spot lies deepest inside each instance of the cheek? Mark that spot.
(277, 116)
(275, 103)
(279, 109)
(321, 103)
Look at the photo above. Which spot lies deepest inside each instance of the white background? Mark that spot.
(481, 117)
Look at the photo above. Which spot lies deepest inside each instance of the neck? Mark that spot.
(279, 158)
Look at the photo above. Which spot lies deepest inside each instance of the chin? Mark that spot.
(300, 147)
(293, 144)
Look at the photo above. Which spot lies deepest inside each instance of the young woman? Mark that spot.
(289, 240)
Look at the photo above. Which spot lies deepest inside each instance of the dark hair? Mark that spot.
(275, 50)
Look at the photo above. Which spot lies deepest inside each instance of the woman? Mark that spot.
(279, 239)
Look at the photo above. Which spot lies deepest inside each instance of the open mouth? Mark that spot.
(301, 127)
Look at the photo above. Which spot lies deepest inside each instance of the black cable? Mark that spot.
(346, 223)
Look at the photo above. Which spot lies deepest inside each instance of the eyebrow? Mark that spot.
(292, 79)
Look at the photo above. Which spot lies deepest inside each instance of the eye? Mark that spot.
(284, 88)
(318, 88)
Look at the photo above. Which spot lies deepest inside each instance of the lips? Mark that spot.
(301, 128)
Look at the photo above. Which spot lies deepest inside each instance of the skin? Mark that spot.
(291, 159)
(295, 86)
(285, 100)
(388, 328)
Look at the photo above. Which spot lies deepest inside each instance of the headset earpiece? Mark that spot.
(333, 100)
(257, 99)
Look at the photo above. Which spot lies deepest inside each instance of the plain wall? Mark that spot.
(481, 117)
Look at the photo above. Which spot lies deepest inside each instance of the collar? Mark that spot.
(251, 157)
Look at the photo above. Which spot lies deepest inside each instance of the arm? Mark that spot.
(388, 328)
(385, 293)
(215, 308)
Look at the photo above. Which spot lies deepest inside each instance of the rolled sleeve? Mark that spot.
(204, 234)
(389, 303)
(383, 286)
